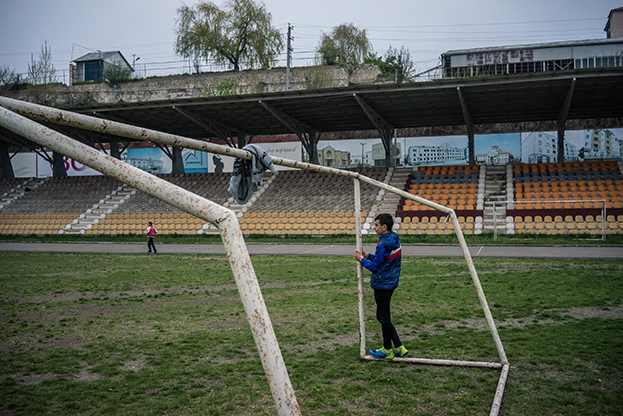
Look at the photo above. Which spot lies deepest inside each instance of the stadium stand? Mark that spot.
(133, 215)
(53, 204)
(302, 202)
(452, 186)
(564, 198)
(309, 203)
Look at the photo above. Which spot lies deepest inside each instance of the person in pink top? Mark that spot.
(151, 234)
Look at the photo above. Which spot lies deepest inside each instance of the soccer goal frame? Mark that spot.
(22, 118)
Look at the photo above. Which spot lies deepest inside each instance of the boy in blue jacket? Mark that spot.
(385, 267)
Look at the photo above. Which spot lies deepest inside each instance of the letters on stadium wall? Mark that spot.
(73, 168)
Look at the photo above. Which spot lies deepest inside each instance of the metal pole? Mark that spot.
(446, 363)
(288, 57)
(223, 218)
(495, 223)
(359, 243)
(603, 220)
(481, 293)
(499, 392)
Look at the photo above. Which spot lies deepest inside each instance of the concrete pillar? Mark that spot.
(6, 167)
(178, 163)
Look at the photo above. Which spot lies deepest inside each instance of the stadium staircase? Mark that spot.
(99, 211)
(495, 193)
(386, 201)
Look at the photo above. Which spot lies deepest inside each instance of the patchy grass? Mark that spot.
(95, 334)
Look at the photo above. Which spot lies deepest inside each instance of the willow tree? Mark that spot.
(240, 34)
(345, 45)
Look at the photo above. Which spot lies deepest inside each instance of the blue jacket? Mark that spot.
(385, 263)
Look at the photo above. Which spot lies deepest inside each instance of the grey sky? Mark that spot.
(146, 28)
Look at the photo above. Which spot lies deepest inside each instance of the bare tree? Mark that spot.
(41, 74)
(240, 34)
(9, 80)
(401, 61)
(345, 45)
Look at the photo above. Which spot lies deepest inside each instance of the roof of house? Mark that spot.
(95, 56)
(534, 46)
(100, 56)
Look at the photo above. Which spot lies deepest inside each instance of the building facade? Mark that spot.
(378, 154)
(495, 156)
(334, 158)
(430, 155)
(614, 27)
(601, 144)
(91, 67)
(539, 147)
(542, 57)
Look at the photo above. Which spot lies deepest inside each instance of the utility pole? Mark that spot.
(289, 57)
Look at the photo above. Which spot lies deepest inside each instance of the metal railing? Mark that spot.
(601, 201)
(18, 117)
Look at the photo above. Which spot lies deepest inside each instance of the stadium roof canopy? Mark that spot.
(551, 96)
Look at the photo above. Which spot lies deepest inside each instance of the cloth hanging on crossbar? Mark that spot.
(247, 175)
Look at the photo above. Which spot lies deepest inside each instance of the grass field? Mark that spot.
(132, 334)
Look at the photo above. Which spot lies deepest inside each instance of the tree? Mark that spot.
(401, 61)
(240, 34)
(345, 45)
(41, 75)
(317, 77)
(9, 80)
(42, 71)
(117, 72)
(396, 65)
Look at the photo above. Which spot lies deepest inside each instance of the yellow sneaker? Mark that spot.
(400, 351)
(382, 353)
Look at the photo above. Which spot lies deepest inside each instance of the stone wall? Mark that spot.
(213, 84)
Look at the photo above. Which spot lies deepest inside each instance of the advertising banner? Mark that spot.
(25, 165)
(286, 150)
(73, 168)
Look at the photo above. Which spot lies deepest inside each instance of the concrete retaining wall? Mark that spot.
(214, 84)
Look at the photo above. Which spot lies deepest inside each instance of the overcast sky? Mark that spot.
(145, 29)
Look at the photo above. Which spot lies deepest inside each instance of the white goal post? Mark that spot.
(17, 116)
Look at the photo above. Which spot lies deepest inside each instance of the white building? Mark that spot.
(541, 57)
(495, 156)
(147, 164)
(431, 155)
(601, 144)
(539, 147)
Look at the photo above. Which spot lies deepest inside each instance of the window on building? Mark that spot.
(92, 71)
